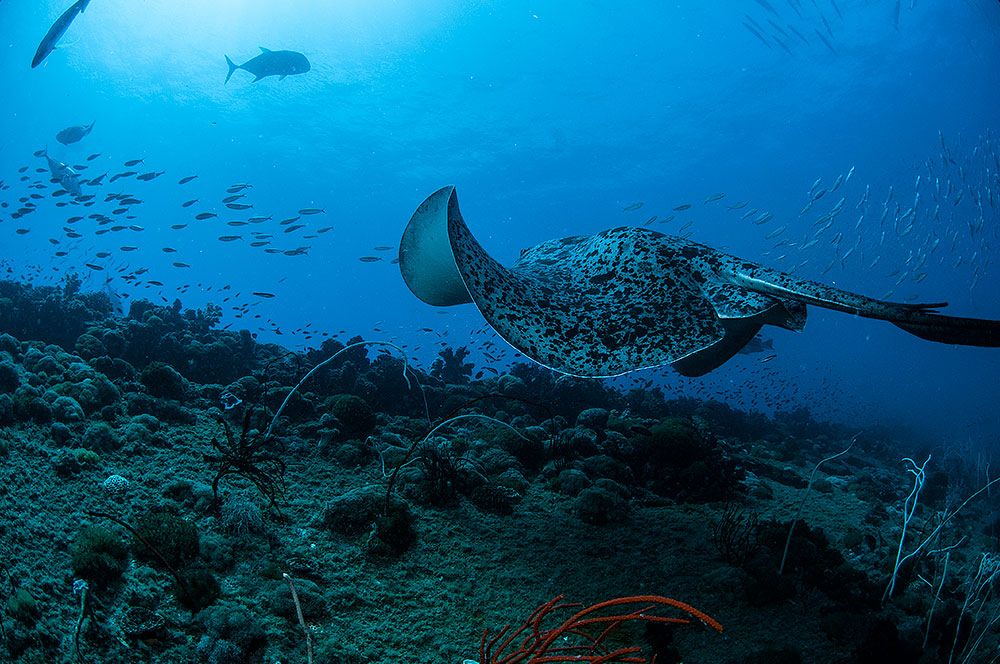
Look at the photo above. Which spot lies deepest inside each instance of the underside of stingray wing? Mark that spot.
(426, 260)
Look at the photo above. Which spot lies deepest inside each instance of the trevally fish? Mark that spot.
(271, 63)
(57, 30)
(73, 134)
(57, 168)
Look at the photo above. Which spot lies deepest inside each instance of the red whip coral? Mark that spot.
(580, 637)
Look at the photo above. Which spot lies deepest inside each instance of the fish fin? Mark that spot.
(264, 50)
(83, 5)
(232, 67)
(282, 77)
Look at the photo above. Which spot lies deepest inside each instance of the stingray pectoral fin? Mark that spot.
(426, 259)
(739, 332)
(741, 313)
(952, 329)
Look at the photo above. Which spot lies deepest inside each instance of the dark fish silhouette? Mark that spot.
(57, 168)
(757, 345)
(57, 30)
(271, 63)
(73, 134)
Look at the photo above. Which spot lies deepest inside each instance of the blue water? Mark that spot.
(550, 118)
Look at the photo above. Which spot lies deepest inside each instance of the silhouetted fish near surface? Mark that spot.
(271, 63)
(73, 134)
(186, 179)
(312, 211)
(57, 30)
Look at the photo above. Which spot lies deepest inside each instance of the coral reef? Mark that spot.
(462, 504)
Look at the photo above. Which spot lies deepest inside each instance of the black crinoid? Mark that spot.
(253, 455)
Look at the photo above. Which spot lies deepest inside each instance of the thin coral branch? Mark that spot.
(539, 645)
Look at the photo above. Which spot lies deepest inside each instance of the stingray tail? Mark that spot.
(232, 67)
(921, 320)
(952, 329)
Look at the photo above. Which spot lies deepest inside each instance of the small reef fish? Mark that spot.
(187, 179)
(308, 211)
(633, 206)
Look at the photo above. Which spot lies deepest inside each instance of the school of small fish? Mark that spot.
(102, 209)
(952, 202)
(802, 26)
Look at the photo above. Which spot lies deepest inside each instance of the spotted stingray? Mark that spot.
(630, 298)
